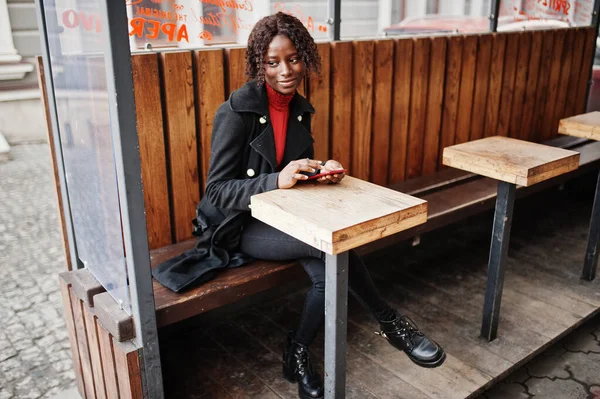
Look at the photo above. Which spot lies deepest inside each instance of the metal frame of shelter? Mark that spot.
(125, 147)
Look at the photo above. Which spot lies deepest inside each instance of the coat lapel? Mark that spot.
(298, 139)
(253, 98)
(264, 144)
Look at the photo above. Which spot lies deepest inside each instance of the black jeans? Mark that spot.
(262, 241)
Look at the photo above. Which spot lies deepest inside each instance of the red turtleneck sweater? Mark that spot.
(280, 111)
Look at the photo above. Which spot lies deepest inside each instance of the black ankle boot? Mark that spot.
(403, 334)
(297, 367)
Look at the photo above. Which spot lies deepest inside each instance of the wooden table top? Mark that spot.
(338, 217)
(511, 160)
(584, 125)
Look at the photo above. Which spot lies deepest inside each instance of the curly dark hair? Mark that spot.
(263, 33)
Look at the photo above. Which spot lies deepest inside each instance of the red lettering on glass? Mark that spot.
(160, 14)
(206, 35)
(171, 30)
(70, 19)
(225, 4)
(561, 6)
(73, 19)
(153, 29)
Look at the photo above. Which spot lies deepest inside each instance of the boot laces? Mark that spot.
(403, 327)
(303, 364)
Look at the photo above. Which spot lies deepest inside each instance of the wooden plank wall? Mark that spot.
(385, 108)
(104, 367)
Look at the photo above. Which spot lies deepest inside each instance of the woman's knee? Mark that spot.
(319, 286)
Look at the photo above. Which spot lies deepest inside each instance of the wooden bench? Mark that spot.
(377, 113)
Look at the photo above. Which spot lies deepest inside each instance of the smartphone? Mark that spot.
(327, 173)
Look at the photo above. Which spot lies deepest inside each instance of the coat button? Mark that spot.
(263, 120)
(299, 118)
(250, 172)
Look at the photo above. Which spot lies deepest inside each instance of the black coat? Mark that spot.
(242, 164)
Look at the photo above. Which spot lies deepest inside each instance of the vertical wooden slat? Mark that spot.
(318, 93)
(401, 110)
(146, 84)
(362, 108)
(553, 83)
(94, 347)
(44, 95)
(82, 344)
(563, 82)
(578, 49)
(508, 84)
(128, 370)
(495, 87)
(418, 106)
(382, 111)
(181, 140)
(541, 97)
(65, 293)
(467, 85)
(433, 120)
(210, 94)
(236, 68)
(532, 82)
(341, 105)
(588, 54)
(108, 363)
(451, 93)
(520, 85)
(482, 80)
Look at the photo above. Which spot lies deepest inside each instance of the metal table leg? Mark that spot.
(497, 261)
(591, 253)
(336, 311)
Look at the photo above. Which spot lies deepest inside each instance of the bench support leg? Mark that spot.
(336, 310)
(498, 257)
(591, 253)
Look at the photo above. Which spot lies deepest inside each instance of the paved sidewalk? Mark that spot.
(35, 359)
(34, 350)
(570, 369)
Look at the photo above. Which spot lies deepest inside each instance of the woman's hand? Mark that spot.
(290, 175)
(331, 165)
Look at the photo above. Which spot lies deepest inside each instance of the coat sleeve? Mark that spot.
(224, 189)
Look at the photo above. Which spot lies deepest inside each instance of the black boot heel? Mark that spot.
(297, 367)
(288, 374)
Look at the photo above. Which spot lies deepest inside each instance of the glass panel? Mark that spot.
(197, 23)
(417, 17)
(544, 14)
(77, 51)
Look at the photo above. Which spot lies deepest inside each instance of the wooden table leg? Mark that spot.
(497, 261)
(591, 253)
(336, 312)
